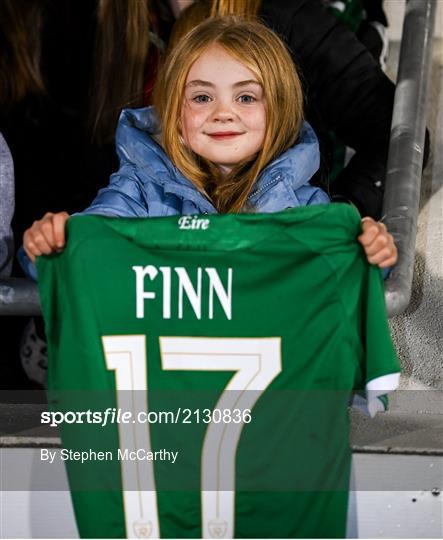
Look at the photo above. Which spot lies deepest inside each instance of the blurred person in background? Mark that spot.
(6, 208)
(368, 20)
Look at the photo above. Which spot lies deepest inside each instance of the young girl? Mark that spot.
(232, 139)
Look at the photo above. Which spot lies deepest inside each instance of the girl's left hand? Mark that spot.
(378, 243)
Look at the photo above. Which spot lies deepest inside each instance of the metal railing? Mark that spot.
(404, 169)
(19, 296)
(405, 161)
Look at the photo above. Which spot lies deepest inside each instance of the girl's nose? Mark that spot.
(223, 113)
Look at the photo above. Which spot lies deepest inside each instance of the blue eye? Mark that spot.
(202, 98)
(246, 99)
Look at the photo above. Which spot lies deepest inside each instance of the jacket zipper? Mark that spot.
(265, 186)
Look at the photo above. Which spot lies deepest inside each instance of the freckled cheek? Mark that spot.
(187, 129)
(192, 135)
(254, 121)
(256, 139)
(192, 122)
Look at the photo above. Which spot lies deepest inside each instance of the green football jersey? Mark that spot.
(231, 344)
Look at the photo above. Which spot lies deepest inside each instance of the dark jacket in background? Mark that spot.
(345, 91)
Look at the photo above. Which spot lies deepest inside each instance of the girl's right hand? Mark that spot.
(46, 235)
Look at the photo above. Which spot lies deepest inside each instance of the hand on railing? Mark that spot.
(378, 243)
(46, 235)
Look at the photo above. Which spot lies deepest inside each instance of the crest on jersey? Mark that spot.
(217, 528)
(142, 529)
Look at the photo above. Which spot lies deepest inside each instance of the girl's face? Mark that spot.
(224, 110)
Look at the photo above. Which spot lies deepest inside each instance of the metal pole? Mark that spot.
(405, 161)
(19, 296)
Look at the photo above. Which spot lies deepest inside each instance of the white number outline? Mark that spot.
(126, 355)
(255, 361)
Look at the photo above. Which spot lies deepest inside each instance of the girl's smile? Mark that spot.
(222, 135)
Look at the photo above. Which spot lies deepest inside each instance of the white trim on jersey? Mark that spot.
(376, 389)
(380, 387)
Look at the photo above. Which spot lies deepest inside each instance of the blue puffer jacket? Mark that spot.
(149, 185)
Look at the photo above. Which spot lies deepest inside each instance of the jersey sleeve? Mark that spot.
(381, 368)
(361, 290)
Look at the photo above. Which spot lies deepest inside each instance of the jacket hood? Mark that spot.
(136, 144)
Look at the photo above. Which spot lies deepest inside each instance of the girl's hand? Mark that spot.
(378, 243)
(46, 235)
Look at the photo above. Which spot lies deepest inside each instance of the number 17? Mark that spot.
(255, 361)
